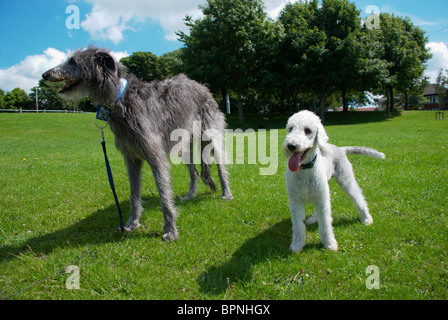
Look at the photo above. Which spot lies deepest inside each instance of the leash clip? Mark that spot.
(102, 134)
(101, 127)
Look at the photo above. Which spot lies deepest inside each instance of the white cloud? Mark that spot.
(109, 19)
(438, 61)
(27, 73)
(274, 7)
(102, 24)
(119, 54)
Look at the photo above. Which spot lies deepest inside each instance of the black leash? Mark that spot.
(111, 180)
(103, 113)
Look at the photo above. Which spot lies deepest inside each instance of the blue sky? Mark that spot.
(34, 34)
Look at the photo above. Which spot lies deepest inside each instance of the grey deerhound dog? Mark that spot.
(142, 117)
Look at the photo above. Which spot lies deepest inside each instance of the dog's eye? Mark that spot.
(290, 130)
(71, 61)
(307, 131)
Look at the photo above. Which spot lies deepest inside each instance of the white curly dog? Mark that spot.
(312, 163)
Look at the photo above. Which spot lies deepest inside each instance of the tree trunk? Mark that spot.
(223, 95)
(388, 103)
(240, 109)
(294, 99)
(392, 103)
(344, 101)
(406, 100)
(321, 107)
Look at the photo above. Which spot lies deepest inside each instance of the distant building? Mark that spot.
(432, 98)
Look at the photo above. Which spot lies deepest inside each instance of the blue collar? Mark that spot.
(105, 108)
(309, 165)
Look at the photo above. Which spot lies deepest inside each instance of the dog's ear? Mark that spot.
(106, 60)
(321, 134)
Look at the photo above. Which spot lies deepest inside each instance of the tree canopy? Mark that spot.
(226, 48)
(403, 47)
(317, 47)
(15, 99)
(316, 54)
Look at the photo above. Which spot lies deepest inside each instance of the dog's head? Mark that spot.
(305, 133)
(90, 72)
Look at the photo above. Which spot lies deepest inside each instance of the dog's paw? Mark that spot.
(227, 197)
(132, 226)
(367, 222)
(170, 236)
(332, 247)
(296, 246)
(186, 198)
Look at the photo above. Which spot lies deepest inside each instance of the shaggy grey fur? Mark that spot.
(143, 121)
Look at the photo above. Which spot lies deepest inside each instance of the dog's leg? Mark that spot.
(161, 171)
(134, 167)
(297, 210)
(223, 178)
(347, 181)
(324, 219)
(354, 192)
(206, 165)
(206, 177)
(217, 142)
(193, 182)
(220, 158)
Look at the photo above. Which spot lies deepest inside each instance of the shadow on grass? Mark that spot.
(101, 226)
(272, 243)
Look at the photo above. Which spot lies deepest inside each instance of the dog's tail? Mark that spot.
(369, 152)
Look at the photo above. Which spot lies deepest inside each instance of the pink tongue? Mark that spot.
(294, 161)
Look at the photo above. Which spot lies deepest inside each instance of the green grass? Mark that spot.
(55, 205)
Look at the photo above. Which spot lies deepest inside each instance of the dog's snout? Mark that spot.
(292, 147)
(46, 75)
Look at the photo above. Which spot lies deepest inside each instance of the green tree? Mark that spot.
(2, 99)
(270, 80)
(143, 65)
(226, 46)
(170, 64)
(413, 95)
(373, 71)
(342, 24)
(442, 87)
(148, 67)
(323, 46)
(48, 96)
(404, 48)
(15, 99)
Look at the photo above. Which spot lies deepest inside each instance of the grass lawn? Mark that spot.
(56, 210)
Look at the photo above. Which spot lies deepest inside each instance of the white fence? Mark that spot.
(41, 111)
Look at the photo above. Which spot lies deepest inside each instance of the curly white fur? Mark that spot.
(312, 163)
